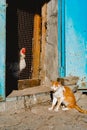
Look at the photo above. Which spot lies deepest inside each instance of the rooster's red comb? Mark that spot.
(23, 50)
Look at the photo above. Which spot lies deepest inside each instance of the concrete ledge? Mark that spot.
(30, 91)
(21, 99)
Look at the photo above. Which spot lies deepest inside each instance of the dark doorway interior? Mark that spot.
(12, 48)
(19, 33)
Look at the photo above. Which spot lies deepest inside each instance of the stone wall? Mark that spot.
(51, 56)
(52, 45)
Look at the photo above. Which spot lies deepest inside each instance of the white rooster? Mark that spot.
(22, 63)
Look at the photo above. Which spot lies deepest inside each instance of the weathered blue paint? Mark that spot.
(2, 48)
(74, 38)
(59, 35)
(61, 38)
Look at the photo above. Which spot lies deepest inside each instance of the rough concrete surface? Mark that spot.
(37, 117)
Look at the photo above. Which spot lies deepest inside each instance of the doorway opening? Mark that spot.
(19, 34)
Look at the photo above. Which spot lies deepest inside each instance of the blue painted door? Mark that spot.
(2, 48)
(76, 37)
(72, 19)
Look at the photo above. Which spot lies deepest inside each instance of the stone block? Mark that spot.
(72, 80)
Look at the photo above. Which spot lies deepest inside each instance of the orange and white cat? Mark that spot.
(63, 94)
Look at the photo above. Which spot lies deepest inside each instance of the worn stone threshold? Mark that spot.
(29, 91)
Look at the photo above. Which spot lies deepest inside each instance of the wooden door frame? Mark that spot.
(36, 46)
(43, 43)
(39, 44)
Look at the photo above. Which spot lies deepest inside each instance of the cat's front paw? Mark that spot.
(65, 109)
(56, 109)
(50, 109)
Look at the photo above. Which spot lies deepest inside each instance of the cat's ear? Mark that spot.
(59, 82)
(58, 79)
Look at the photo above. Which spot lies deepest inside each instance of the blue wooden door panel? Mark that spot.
(76, 38)
(72, 38)
(2, 48)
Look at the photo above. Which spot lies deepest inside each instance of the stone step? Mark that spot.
(21, 99)
(30, 91)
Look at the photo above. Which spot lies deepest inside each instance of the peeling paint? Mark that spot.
(2, 47)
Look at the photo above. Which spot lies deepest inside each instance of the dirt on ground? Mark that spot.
(38, 117)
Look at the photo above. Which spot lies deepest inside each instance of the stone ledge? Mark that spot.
(23, 102)
(21, 99)
(30, 91)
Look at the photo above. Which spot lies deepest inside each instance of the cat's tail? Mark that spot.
(80, 109)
